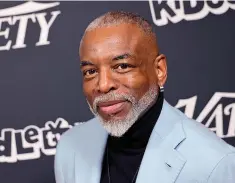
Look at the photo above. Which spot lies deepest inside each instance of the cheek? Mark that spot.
(137, 83)
(88, 90)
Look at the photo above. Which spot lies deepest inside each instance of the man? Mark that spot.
(136, 135)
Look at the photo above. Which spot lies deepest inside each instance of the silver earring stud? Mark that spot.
(161, 88)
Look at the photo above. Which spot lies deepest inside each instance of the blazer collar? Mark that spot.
(161, 161)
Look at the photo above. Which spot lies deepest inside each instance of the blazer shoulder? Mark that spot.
(203, 151)
(224, 170)
(202, 148)
(77, 134)
(202, 137)
(199, 136)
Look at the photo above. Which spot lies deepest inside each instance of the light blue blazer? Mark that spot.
(179, 150)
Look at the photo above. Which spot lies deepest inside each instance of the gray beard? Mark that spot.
(116, 127)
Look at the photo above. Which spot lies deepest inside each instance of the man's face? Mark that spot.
(119, 65)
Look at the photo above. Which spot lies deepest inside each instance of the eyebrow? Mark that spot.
(85, 63)
(119, 57)
(122, 56)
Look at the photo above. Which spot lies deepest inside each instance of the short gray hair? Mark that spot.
(121, 17)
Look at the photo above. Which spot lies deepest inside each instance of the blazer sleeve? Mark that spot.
(224, 170)
(58, 161)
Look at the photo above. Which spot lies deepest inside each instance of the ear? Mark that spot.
(160, 67)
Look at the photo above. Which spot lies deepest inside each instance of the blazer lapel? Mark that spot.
(161, 161)
(88, 160)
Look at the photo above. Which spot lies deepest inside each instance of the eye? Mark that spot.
(123, 67)
(89, 73)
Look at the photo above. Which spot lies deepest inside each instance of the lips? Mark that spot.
(111, 107)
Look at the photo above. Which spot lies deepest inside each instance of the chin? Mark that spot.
(118, 125)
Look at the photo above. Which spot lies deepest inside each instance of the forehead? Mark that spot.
(111, 40)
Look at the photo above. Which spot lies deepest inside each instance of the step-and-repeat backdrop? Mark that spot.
(40, 81)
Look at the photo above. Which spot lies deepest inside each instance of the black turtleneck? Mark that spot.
(125, 153)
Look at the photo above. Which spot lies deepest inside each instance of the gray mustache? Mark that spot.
(110, 97)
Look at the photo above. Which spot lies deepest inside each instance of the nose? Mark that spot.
(106, 81)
